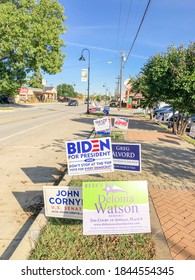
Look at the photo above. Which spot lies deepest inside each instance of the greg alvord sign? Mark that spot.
(127, 157)
(89, 156)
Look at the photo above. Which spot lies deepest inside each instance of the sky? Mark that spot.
(108, 28)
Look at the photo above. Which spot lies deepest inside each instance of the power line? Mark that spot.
(119, 22)
(137, 32)
(128, 16)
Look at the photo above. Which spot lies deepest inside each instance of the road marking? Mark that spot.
(23, 131)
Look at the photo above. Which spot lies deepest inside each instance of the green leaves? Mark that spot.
(66, 90)
(30, 33)
(170, 77)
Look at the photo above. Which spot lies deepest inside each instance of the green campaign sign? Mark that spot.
(115, 207)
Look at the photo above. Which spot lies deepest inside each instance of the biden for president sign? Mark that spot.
(89, 156)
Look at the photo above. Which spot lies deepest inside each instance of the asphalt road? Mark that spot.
(32, 153)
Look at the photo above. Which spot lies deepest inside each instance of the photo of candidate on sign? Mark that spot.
(115, 207)
(63, 202)
(127, 157)
(89, 156)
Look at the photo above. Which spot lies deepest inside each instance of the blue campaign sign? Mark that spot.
(89, 156)
(106, 110)
(127, 157)
(103, 132)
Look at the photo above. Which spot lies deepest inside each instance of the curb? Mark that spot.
(161, 246)
(28, 242)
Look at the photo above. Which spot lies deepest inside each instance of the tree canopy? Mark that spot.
(169, 77)
(65, 90)
(30, 43)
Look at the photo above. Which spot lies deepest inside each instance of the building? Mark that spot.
(50, 93)
(133, 100)
(29, 94)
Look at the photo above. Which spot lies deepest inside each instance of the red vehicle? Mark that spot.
(63, 99)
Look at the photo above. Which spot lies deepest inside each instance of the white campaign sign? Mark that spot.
(63, 202)
(89, 156)
(101, 124)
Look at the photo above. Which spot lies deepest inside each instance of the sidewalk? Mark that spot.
(168, 166)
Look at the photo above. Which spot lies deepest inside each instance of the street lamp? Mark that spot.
(83, 59)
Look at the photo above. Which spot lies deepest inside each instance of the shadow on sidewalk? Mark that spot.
(173, 161)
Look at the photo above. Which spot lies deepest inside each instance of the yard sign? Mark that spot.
(63, 202)
(103, 130)
(127, 157)
(89, 156)
(121, 123)
(101, 124)
(115, 207)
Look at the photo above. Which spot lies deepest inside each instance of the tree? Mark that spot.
(98, 98)
(35, 80)
(66, 90)
(30, 41)
(138, 86)
(170, 77)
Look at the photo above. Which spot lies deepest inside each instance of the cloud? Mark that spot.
(91, 47)
(89, 27)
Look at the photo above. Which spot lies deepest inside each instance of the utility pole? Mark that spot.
(117, 88)
(123, 58)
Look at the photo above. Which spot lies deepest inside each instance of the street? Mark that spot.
(32, 144)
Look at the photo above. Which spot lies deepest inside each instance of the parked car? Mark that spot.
(73, 102)
(162, 112)
(4, 99)
(158, 110)
(63, 99)
(168, 116)
(114, 103)
(189, 124)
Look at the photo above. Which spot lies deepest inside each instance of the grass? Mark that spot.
(62, 239)
(5, 109)
(185, 137)
(115, 135)
(188, 139)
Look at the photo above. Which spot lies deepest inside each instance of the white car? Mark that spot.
(168, 115)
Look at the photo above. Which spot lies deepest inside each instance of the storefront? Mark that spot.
(29, 94)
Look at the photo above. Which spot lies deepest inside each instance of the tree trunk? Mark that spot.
(183, 126)
(174, 130)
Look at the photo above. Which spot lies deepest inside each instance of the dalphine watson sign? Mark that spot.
(115, 207)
